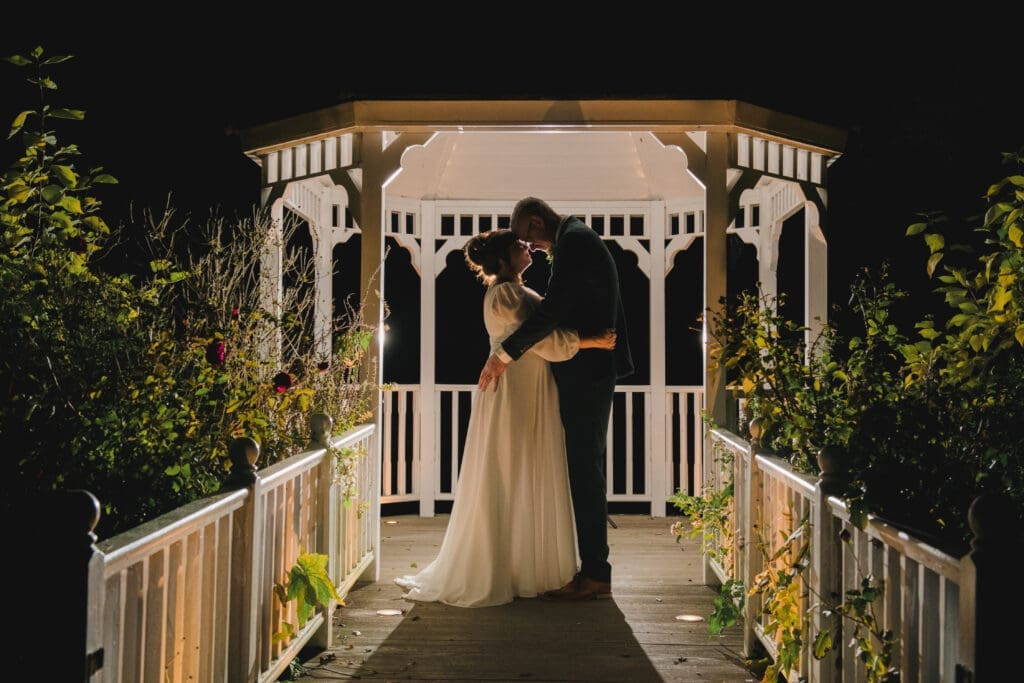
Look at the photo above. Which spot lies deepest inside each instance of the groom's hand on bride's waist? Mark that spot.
(493, 369)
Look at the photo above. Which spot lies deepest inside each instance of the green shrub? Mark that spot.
(132, 384)
(925, 426)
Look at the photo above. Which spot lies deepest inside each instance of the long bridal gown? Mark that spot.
(511, 531)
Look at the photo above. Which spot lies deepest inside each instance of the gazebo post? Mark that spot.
(370, 203)
(660, 456)
(815, 267)
(323, 251)
(716, 198)
(425, 469)
(272, 278)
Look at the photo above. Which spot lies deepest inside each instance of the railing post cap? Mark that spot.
(830, 463)
(81, 507)
(243, 453)
(987, 514)
(758, 427)
(320, 426)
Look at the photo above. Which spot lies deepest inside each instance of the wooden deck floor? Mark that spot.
(633, 637)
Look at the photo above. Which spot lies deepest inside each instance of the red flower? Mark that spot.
(215, 352)
(282, 382)
(322, 366)
(234, 314)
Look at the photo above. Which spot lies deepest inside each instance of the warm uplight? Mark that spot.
(689, 617)
(389, 612)
(391, 521)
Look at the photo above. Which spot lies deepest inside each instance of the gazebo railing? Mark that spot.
(930, 601)
(190, 595)
(637, 469)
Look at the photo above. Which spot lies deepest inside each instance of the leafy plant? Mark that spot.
(134, 355)
(310, 587)
(873, 645)
(709, 517)
(924, 426)
(346, 460)
(781, 594)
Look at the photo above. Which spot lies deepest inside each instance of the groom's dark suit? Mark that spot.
(583, 294)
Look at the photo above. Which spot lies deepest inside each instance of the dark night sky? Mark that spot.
(929, 112)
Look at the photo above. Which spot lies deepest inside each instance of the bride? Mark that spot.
(511, 532)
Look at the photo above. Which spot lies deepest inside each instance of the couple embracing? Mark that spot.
(530, 511)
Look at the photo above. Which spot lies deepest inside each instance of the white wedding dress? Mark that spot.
(511, 532)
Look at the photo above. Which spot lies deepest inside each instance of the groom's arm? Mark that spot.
(553, 308)
(545, 318)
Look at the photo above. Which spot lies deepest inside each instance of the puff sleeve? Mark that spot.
(511, 304)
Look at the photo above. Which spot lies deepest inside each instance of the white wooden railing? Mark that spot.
(189, 596)
(635, 471)
(929, 599)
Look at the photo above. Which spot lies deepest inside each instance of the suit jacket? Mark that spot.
(583, 294)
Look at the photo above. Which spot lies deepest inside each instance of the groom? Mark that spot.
(582, 294)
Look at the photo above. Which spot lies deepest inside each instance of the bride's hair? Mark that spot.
(486, 251)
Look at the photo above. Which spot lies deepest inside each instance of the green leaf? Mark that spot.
(822, 644)
(1000, 298)
(18, 60)
(97, 224)
(995, 212)
(1019, 334)
(105, 179)
(1017, 180)
(1015, 235)
(916, 228)
(19, 122)
(61, 220)
(935, 242)
(933, 261)
(66, 175)
(286, 632)
(73, 114)
(52, 194)
(968, 307)
(313, 563)
(57, 59)
(71, 204)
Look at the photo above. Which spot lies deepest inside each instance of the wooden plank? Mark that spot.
(633, 637)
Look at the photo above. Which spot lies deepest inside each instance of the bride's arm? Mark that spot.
(511, 304)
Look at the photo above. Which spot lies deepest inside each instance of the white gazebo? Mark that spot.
(657, 177)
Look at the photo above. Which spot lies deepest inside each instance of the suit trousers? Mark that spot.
(585, 399)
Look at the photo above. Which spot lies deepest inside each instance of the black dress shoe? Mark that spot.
(580, 588)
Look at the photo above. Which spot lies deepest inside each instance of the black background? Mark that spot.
(928, 109)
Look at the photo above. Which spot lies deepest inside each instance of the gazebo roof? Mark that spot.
(647, 115)
(493, 149)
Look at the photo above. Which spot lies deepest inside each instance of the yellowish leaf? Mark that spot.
(1015, 235)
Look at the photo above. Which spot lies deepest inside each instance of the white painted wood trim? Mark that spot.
(658, 455)
(427, 452)
(815, 275)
